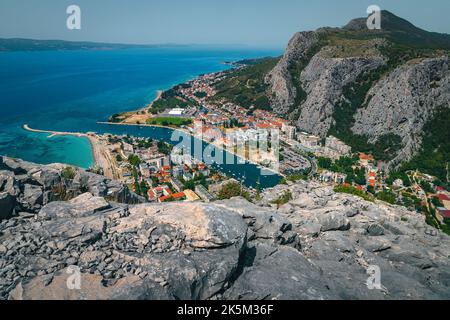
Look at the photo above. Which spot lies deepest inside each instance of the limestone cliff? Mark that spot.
(323, 81)
(364, 86)
(404, 101)
(282, 90)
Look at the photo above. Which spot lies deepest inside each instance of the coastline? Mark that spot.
(103, 159)
(99, 153)
(136, 115)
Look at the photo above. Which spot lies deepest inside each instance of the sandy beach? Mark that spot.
(101, 155)
(142, 115)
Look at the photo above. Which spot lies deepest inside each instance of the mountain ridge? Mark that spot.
(25, 44)
(327, 77)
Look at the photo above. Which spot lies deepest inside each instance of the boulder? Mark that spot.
(7, 205)
(334, 221)
(280, 273)
(375, 230)
(85, 204)
(32, 198)
(311, 229)
(91, 288)
(303, 201)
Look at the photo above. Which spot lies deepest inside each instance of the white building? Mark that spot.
(308, 140)
(176, 112)
(290, 131)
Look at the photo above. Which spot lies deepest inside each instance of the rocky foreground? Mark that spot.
(318, 246)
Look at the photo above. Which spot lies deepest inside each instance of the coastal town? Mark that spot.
(161, 172)
(195, 108)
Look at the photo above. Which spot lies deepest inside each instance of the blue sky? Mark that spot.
(268, 23)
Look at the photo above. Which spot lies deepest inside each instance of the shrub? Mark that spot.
(68, 173)
(229, 190)
(283, 199)
(353, 191)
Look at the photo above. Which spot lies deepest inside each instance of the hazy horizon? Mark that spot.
(263, 23)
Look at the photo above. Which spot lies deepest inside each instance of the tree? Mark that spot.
(361, 178)
(436, 202)
(164, 148)
(258, 190)
(143, 188)
(324, 163)
(387, 196)
(229, 190)
(134, 160)
(426, 187)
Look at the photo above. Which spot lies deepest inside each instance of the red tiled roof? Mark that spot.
(442, 197)
(263, 125)
(445, 213)
(363, 156)
(164, 198)
(178, 195)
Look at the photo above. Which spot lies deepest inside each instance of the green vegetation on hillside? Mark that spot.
(400, 31)
(134, 160)
(246, 87)
(352, 190)
(169, 103)
(295, 71)
(169, 100)
(68, 173)
(201, 94)
(284, 198)
(434, 156)
(230, 190)
(347, 166)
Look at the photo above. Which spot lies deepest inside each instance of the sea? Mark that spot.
(71, 91)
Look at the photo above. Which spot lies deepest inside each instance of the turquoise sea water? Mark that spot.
(72, 90)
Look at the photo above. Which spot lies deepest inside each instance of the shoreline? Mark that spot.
(94, 143)
(135, 116)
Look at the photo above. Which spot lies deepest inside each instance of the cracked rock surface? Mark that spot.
(317, 246)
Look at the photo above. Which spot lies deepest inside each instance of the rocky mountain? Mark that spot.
(426, 83)
(364, 86)
(282, 89)
(317, 246)
(374, 89)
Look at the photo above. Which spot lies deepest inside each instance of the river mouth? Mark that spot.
(219, 159)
